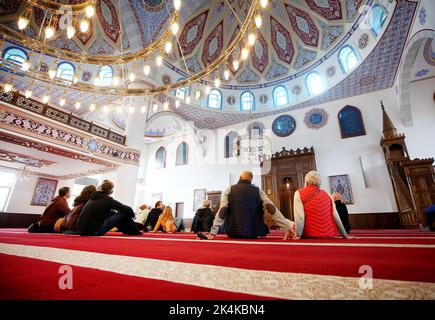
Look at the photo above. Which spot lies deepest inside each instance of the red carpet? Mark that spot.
(406, 256)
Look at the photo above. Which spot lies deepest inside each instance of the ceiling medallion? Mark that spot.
(263, 98)
(365, 81)
(316, 118)
(363, 41)
(166, 79)
(231, 100)
(331, 71)
(284, 125)
(86, 76)
(154, 5)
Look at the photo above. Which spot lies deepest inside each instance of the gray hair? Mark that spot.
(312, 178)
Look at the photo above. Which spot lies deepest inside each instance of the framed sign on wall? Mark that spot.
(45, 190)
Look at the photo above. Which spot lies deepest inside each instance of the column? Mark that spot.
(126, 184)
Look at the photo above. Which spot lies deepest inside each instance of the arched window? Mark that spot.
(182, 93)
(348, 58)
(232, 145)
(378, 16)
(214, 99)
(106, 75)
(160, 158)
(16, 55)
(314, 83)
(247, 101)
(181, 154)
(280, 96)
(65, 71)
(351, 122)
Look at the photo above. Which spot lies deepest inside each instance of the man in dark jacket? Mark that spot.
(203, 219)
(56, 209)
(153, 216)
(242, 209)
(102, 213)
(342, 210)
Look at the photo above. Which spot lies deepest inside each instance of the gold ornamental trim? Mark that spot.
(54, 7)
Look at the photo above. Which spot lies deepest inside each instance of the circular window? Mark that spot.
(284, 125)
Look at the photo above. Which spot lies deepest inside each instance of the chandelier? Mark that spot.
(82, 13)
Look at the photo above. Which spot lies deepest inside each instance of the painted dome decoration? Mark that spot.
(316, 118)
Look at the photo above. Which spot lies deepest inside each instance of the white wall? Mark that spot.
(22, 194)
(334, 155)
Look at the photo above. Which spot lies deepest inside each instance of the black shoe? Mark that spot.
(201, 235)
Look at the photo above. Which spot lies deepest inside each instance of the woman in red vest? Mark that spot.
(314, 211)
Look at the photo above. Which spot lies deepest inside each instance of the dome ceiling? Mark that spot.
(294, 35)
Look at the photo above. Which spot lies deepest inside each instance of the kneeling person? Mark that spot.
(102, 213)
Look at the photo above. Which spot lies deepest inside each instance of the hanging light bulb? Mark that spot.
(28, 93)
(207, 89)
(244, 53)
(175, 27)
(119, 109)
(84, 25)
(51, 73)
(166, 105)
(168, 47)
(188, 99)
(236, 64)
(92, 106)
(115, 80)
(177, 4)
(251, 39)
(226, 74)
(97, 81)
(90, 11)
(23, 21)
(143, 109)
(49, 32)
(8, 87)
(217, 82)
(197, 94)
(78, 105)
(45, 98)
(177, 104)
(62, 101)
(258, 21)
(146, 69)
(105, 109)
(131, 109)
(132, 76)
(70, 32)
(76, 78)
(155, 107)
(25, 66)
(159, 60)
(264, 3)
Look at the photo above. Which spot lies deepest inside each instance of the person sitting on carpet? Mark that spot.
(69, 224)
(241, 212)
(314, 211)
(102, 213)
(144, 210)
(430, 218)
(153, 216)
(203, 219)
(342, 210)
(56, 210)
(166, 221)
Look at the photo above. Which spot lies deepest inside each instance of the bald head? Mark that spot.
(246, 175)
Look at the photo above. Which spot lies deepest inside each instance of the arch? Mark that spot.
(181, 158)
(351, 122)
(314, 83)
(214, 100)
(280, 96)
(409, 56)
(247, 101)
(231, 139)
(160, 158)
(15, 54)
(106, 75)
(65, 71)
(348, 58)
(377, 18)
